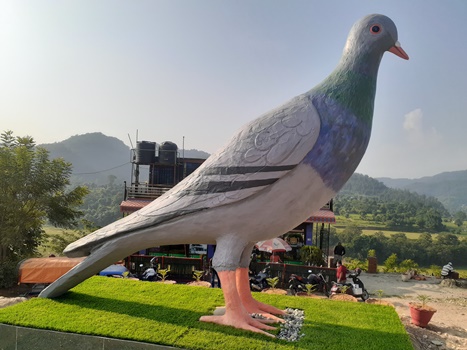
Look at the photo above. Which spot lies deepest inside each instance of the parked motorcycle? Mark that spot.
(259, 282)
(356, 288)
(150, 274)
(298, 283)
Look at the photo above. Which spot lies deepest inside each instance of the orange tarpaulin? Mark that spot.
(45, 270)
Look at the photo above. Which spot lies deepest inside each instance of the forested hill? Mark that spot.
(449, 187)
(363, 185)
(394, 208)
(96, 156)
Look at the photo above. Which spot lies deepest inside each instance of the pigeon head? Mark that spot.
(368, 40)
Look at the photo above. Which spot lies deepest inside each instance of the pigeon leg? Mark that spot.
(235, 314)
(252, 305)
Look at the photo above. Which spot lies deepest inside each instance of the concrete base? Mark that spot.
(22, 338)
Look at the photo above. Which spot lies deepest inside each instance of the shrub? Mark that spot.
(197, 274)
(390, 265)
(163, 272)
(311, 256)
(379, 293)
(407, 265)
(352, 264)
(371, 253)
(272, 282)
(435, 270)
(310, 288)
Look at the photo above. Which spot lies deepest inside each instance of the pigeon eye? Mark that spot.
(375, 29)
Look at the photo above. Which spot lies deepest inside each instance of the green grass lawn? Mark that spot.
(168, 315)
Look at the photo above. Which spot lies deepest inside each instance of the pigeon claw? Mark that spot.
(240, 321)
(252, 305)
(236, 315)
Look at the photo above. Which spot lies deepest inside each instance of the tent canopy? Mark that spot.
(45, 270)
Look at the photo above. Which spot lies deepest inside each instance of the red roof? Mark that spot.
(322, 215)
(132, 205)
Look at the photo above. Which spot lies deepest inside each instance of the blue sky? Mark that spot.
(202, 69)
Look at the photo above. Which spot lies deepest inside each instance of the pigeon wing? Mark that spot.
(261, 153)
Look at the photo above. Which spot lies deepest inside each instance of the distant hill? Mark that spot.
(194, 153)
(450, 188)
(96, 156)
(363, 185)
(396, 209)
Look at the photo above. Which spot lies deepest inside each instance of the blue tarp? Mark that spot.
(113, 270)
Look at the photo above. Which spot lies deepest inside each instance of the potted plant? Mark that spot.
(420, 312)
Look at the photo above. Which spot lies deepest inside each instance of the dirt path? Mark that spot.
(448, 327)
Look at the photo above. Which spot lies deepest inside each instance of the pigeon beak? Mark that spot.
(399, 51)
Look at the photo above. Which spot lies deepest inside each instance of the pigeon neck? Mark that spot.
(350, 87)
(365, 62)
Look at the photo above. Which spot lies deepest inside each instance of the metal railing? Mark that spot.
(182, 268)
(145, 191)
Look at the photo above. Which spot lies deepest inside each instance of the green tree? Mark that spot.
(434, 221)
(447, 239)
(102, 205)
(33, 190)
(459, 218)
(350, 233)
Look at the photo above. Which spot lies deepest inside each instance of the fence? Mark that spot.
(283, 271)
(145, 191)
(181, 269)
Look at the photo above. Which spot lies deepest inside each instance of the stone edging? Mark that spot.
(23, 338)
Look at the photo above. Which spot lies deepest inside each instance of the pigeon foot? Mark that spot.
(252, 305)
(235, 313)
(240, 321)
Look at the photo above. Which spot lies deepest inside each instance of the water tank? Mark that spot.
(145, 152)
(168, 153)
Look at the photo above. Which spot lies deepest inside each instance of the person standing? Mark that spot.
(339, 252)
(341, 272)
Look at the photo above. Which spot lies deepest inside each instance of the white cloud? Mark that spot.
(417, 134)
(413, 120)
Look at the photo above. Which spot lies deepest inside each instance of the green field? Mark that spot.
(369, 228)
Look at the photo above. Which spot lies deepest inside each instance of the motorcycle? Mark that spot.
(299, 283)
(259, 282)
(356, 288)
(150, 274)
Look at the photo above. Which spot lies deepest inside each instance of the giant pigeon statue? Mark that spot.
(268, 179)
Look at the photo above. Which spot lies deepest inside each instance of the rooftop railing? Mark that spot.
(145, 191)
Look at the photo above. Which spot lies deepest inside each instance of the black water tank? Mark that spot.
(168, 153)
(145, 152)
